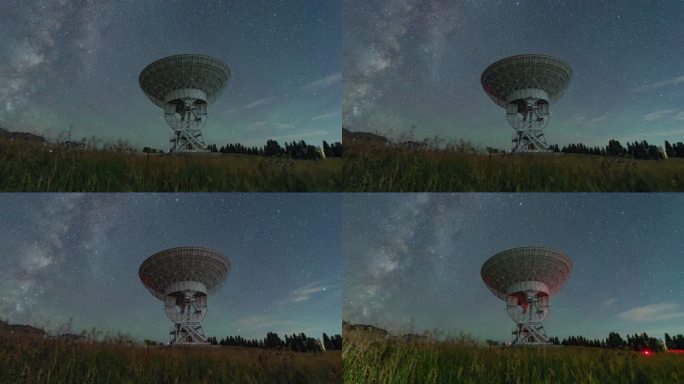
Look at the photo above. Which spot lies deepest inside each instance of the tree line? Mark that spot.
(636, 342)
(299, 150)
(294, 342)
(636, 150)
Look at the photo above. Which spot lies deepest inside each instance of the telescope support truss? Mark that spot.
(186, 310)
(186, 119)
(529, 311)
(528, 119)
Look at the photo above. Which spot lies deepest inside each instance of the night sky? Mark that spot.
(413, 260)
(416, 63)
(77, 256)
(76, 63)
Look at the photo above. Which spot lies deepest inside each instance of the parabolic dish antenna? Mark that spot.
(183, 86)
(182, 278)
(525, 278)
(525, 85)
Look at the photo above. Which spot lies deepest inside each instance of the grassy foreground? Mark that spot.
(385, 361)
(25, 169)
(60, 362)
(385, 169)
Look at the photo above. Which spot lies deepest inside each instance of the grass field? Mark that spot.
(26, 169)
(383, 169)
(397, 362)
(61, 362)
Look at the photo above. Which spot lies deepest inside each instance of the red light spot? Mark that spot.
(646, 352)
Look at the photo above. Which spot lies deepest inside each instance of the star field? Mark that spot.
(77, 256)
(73, 65)
(413, 260)
(414, 67)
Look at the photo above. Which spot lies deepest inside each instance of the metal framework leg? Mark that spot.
(528, 118)
(188, 328)
(186, 121)
(529, 333)
(531, 136)
(187, 333)
(530, 328)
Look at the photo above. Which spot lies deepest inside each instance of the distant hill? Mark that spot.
(365, 328)
(19, 330)
(375, 139)
(363, 137)
(373, 332)
(25, 137)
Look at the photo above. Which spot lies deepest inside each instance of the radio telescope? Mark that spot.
(183, 86)
(525, 85)
(182, 278)
(525, 278)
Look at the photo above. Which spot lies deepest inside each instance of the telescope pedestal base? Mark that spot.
(187, 333)
(188, 140)
(186, 117)
(529, 333)
(530, 140)
(186, 309)
(528, 116)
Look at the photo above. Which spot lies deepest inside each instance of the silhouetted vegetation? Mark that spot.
(332, 150)
(298, 150)
(380, 166)
(369, 359)
(637, 150)
(332, 343)
(636, 342)
(32, 355)
(55, 361)
(676, 342)
(294, 150)
(152, 150)
(38, 167)
(295, 342)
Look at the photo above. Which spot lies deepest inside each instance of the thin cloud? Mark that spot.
(325, 82)
(259, 102)
(325, 115)
(306, 292)
(662, 114)
(659, 84)
(256, 322)
(653, 312)
(597, 120)
(609, 302)
(266, 125)
(283, 126)
(664, 133)
(257, 125)
(588, 121)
